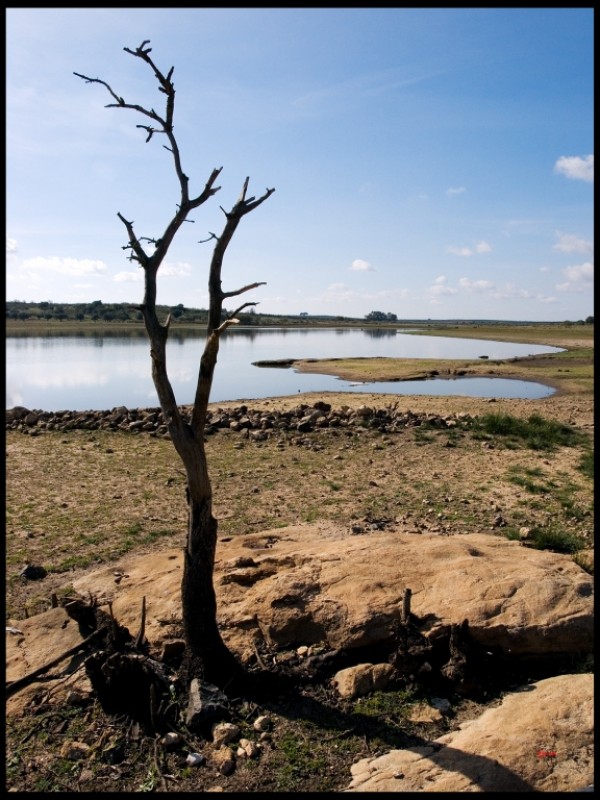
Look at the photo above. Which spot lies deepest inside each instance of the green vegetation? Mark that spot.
(392, 706)
(586, 464)
(301, 756)
(553, 538)
(536, 433)
(82, 315)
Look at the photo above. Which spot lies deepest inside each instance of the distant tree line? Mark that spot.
(100, 312)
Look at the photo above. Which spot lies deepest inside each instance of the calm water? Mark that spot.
(103, 371)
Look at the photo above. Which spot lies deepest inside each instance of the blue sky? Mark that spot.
(431, 163)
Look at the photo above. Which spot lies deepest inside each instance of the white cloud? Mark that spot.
(480, 247)
(340, 295)
(64, 266)
(576, 167)
(124, 277)
(177, 270)
(455, 190)
(512, 292)
(569, 243)
(11, 246)
(437, 290)
(359, 265)
(580, 278)
(459, 251)
(475, 286)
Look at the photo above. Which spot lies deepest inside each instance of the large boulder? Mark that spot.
(309, 584)
(539, 739)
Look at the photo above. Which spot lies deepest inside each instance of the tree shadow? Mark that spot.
(287, 700)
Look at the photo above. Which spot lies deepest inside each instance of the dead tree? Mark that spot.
(208, 655)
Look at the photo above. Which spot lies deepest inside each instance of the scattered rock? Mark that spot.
(362, 679)
(195, 760)
(75, 751)
(224, 732)
(206, 704)
(224, 760)
(33, 573)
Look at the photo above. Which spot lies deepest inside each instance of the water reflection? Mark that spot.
(104, 371)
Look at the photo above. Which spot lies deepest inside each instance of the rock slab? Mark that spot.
(539, 739)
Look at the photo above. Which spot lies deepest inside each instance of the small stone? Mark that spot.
(33, 573)
(171, 739)
(248, 749)
(441, 703)
(225, 760)
(224, 732)
(195, 760)
(75, 751)
(262, 723)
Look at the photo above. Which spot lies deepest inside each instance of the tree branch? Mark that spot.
(134, 242)
(15, 686)
(244, 289)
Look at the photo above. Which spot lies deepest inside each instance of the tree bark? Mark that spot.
(199, 605)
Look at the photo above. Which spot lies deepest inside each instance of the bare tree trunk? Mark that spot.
(199, 605)
(208, 652)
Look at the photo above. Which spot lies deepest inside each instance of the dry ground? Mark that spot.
(79, 499)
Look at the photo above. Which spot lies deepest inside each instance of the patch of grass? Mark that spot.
(76, 561)
(392, 705)
(564, 495)
(523, 477)
(535, 433)
(134, 529)
(311, 514)
(423, 435)
(302, 757)
(586, 464)
(557, 540)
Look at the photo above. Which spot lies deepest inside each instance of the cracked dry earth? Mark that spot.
(80, 499)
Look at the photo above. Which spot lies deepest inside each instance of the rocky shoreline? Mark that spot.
(257, 424)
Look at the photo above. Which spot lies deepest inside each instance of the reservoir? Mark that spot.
(99, 371)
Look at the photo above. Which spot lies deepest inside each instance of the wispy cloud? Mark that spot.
(362, 86)
(179, 269)
(577, 168)
(455, 190)
(440, 289)
(64, 266)
(128, 277)
(569, 243)
(580, 278)
(360, 265)
(11, 246)
(339, 294)
(475, 286)
(480, 247)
